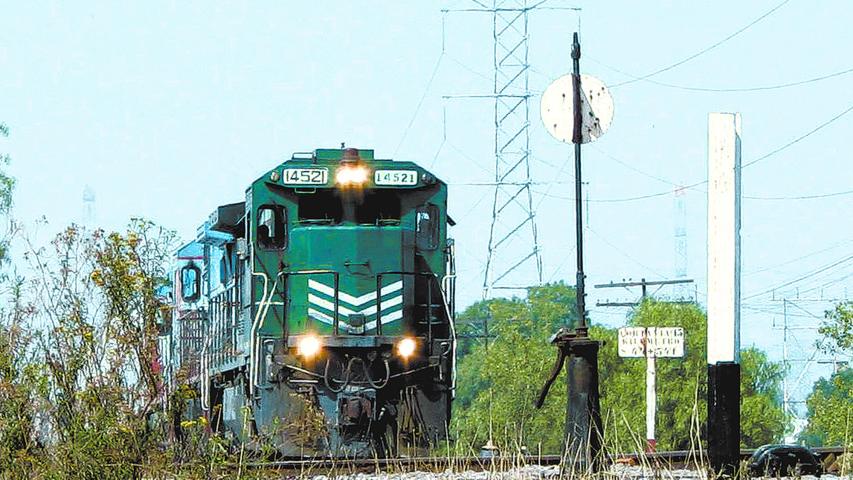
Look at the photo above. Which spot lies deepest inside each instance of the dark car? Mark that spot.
(783, 460)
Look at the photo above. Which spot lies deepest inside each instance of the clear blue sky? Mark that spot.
(167, 109)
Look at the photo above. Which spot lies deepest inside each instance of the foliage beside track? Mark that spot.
(497, 386)
(830, 405)
(80, 364)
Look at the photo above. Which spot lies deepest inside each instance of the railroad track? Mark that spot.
(667, 459)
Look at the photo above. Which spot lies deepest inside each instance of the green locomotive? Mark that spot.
(316, 316)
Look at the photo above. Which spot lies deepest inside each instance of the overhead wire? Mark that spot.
(420, 102)
(704, 50)
(802, 197)
(794, 260)
(801, 278)
(759, 88)
(443, 135)
(629, 257)
(753, 89)
(752, 162)
(800, 138)
(631, 167)
(823, 286)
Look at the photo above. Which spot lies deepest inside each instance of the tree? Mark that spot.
(763, 420)
(497, 387)
(7, 186)
(91, 375)
(498, 383)
(830, 411)
(830, 405)
(837, 330)
(682, 385)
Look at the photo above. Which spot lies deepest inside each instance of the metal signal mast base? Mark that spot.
(583, 412)
(582, 448)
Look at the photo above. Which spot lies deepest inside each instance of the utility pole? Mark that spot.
(785, 357)
(644, 285)
(792, 394)
(651, 359)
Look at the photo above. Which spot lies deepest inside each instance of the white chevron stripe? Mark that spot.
(318, 315)
(323, 303)
(385, 319)
(322, 317)
(371, 310)
(354, 301)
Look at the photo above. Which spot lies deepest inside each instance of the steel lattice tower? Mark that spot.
(513, 240)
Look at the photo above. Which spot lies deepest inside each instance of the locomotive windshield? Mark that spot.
(326, 207)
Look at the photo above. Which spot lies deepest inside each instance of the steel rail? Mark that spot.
(663, 459)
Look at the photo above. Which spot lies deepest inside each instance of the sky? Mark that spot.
(167, 109)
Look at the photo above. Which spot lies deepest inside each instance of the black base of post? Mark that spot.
(724, 418)
(584, 435)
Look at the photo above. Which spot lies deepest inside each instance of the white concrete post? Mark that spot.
(723, 237)
(724, 293)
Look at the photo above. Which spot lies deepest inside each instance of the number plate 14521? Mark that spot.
(305, 176)
(395, 177)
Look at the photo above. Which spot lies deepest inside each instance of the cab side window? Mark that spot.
(426, 227)
(190, 283)
(224, 269)
(271, 230)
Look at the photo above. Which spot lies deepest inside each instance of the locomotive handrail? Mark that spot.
(429, 300)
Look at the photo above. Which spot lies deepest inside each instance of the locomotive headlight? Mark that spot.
(406, 347)
(352, 175)
(308, 346)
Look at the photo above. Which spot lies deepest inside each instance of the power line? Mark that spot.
(618, 200)
(493, 184)
(420, 102)
(801, 137)
(629, 257)
(752, 162)
(730, 89)
(705, 50)
(803, 197)
(804, 277)
(631, 167)
(753, 89)
(788, 262)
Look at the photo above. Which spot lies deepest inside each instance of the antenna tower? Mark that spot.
(88, 207)
(680, 231)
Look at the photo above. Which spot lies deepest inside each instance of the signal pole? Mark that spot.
(583, 413)
(584, 433)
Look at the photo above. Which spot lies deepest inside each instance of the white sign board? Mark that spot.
(632, 342)
(651, 341)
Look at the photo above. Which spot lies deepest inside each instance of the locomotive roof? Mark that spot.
(328, 158)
